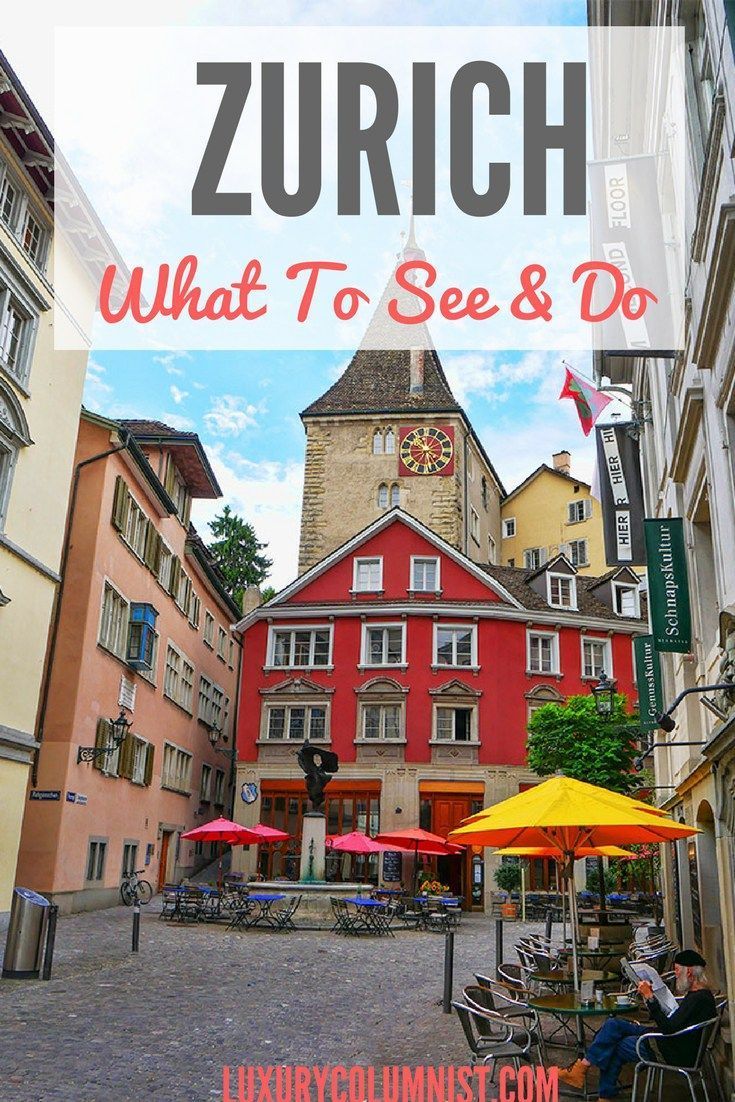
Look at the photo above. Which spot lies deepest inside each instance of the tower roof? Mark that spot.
(378, 377)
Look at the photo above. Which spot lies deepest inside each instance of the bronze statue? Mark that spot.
(318, 765)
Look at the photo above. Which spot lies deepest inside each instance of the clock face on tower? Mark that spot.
(426, 449)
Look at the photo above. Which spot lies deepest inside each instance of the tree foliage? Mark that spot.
(238, 553)
(573, 739)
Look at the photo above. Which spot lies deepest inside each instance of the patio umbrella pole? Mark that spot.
(569, 861)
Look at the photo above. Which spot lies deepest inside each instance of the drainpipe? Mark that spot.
(54, 630)
(466, 499)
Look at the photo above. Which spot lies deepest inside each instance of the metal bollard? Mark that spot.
(549, 923)
(48, 956)
(498, 944)
(448, 971)
(136, 927)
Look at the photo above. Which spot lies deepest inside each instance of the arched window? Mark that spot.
(377, 442)
(395, 495)
(382, 496)
(13, 436)
(390, 442)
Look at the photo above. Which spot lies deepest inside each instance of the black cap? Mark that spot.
(689, 958)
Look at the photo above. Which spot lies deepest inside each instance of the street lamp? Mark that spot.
(119, 729)
(215, 734)
(604, 694)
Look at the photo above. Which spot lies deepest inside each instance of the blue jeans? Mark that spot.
(613, 1046)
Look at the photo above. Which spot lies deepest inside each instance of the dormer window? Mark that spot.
(562, 590)
(626, 600)
(384, 442)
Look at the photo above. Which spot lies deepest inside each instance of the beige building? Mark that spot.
(549, 514)
(390, 434)
(688, 471)
(40, 398)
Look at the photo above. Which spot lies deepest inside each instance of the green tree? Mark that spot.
(268, 594)
(573, 739)
(238, 553)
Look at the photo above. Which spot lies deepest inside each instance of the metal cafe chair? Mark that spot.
(482, 997)
(283, 917)
(650, 1074)
(489, 1037)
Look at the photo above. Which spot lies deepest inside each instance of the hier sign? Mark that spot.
(668, 585)
(648, 678)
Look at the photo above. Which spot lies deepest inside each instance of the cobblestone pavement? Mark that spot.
(111, 1025)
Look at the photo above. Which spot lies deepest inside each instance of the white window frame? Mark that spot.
(455, 706)
(140, 757)
(361, 560)
(273, 631)
(382, 737)
(108, 585)
(572, 507)
(183, 762)
(421, 559)
(287, 706)
(538, 553)
(165, 560)
(208, 633)
(627, 587)
(474, 524)
(607, 664)
(580, 562)
(184, 696)
(439, 626)
(531, 634)
(365, 651)
(221, 642)
(205, 783)
(218, 797)
(507, 523)
(572, 606)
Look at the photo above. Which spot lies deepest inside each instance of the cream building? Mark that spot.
(40, 398)
(552, 513)
(688, 465)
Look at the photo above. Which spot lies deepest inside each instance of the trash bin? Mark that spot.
(26, 935)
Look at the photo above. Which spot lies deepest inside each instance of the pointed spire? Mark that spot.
(411, 249)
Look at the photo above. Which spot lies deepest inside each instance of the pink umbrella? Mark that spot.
(355, 842)
(223, 831)
(269, 834)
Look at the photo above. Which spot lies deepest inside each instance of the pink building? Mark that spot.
(142, 630)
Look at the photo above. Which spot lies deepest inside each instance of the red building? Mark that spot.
(420, 668)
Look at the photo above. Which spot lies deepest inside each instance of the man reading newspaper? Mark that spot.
(615, 1043)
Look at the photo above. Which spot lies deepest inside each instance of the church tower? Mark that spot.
(390, 433)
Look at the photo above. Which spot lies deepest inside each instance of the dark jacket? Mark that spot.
(696, 1006)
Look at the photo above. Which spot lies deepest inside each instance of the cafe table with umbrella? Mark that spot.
(416, 841)
(567, 815)
(225, 832)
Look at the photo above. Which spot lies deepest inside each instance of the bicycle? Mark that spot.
(133, 890)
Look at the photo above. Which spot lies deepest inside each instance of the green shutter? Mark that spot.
(173, 584)
(120, 504)
(100, 740)
(127, 757)
(152, 545)
(150, 751)
(187, 512)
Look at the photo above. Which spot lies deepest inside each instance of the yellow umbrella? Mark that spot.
(568, 815)
(555, 855)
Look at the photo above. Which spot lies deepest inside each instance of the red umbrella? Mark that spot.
(355, 842)
(223, 831)
(269, 834)
(418, 841)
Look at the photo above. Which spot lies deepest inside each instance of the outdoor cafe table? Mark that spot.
(374, 913)
(569, 1005)
(563, 979)
(261, 916)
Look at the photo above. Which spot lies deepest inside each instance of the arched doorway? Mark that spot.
(705, 896)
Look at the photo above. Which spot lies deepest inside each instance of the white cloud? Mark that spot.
(489, 375)
(230, 415)
(268, 494)
(178, 395)
(96, 390)
(168, 360)
(176, 421)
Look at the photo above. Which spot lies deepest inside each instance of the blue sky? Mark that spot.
(245, 405)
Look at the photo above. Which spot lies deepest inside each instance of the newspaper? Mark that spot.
(635, 971)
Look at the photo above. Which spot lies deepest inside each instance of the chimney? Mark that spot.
(252, 598)
(417, 371)
(562, 462)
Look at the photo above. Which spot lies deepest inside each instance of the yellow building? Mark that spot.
(552, 513)
(40, 399)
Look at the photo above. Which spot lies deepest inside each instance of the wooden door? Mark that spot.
(447, 813)
(163, 860)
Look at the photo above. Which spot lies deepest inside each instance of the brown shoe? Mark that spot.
(575, 1075)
